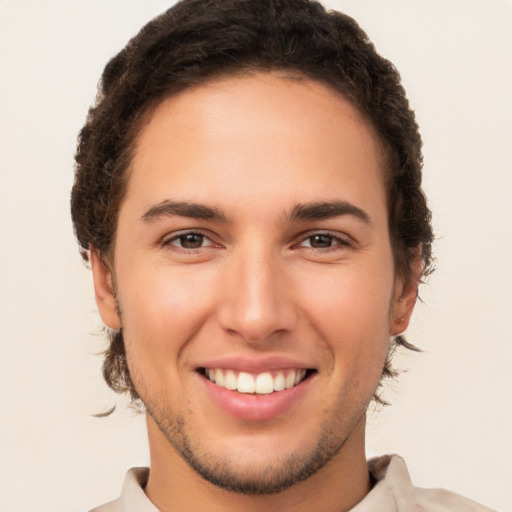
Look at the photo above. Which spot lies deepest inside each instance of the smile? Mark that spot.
(263, 383)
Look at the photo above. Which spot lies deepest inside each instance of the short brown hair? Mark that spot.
(200, 40)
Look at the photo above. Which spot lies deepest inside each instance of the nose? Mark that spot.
(257, 299)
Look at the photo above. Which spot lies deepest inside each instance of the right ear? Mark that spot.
(104, 291)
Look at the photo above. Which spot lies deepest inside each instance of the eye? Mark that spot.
(323, 241)
(319, 241)
(189, 240)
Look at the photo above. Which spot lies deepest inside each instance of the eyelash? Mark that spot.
(205, 236)
(338, 242)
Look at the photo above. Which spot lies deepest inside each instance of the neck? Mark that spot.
(336, 487)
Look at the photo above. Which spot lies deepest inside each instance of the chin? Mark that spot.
(254, 463)
(268, 475)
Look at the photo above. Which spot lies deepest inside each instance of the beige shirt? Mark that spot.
(393, 492)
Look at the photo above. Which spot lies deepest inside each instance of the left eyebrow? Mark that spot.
(326, 210)
(184, 209)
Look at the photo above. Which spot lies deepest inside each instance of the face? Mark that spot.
(254, 278)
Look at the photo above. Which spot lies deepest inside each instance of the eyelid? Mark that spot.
(342, 239)
(175, 235)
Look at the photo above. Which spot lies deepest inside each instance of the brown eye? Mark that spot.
(191, 243)
(190, 240)
(324, 241)
(320, 241)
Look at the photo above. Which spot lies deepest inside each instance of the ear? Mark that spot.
(104, 291)
(406, 293)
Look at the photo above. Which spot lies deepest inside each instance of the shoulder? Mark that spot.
(441, 500)
(133, 498)
(393, 480)
(112, 506)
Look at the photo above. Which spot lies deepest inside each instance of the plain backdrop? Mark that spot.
(451, 416)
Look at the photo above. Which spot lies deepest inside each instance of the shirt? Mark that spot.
(392, 492)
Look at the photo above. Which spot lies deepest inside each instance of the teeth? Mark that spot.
(262, 384)
(230, 381)
(279, 382)
(219, 378)
(245, 383)
(290, 380)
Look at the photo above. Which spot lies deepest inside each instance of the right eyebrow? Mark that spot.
(184, 209)
(328, 209)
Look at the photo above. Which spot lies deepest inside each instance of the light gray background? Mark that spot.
(451, 416)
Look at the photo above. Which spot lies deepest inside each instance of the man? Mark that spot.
(248, 193)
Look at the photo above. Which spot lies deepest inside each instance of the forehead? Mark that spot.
(240, 138)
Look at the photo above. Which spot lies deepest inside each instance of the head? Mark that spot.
(191, 55)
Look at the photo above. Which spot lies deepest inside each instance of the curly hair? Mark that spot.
(197, 41)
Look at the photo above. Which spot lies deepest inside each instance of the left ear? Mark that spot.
(406, 293)
(104, 290)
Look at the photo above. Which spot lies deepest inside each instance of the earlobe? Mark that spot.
(406, 293)
(104, 291)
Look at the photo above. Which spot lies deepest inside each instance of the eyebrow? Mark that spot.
(301, 212)
(326, 210)
(184, 209)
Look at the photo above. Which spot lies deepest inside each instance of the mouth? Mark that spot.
(263, 383)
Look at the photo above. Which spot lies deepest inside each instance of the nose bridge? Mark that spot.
(256, 303)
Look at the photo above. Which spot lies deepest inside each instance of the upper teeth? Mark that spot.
(261, 383)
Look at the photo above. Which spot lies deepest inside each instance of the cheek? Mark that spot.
(163, 315)
(357, 301)
(351, 312)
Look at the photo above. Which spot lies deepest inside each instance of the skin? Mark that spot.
(260, 283)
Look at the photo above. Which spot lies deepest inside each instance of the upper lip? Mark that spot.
(256, 364)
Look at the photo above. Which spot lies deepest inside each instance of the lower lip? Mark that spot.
(254, 407)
